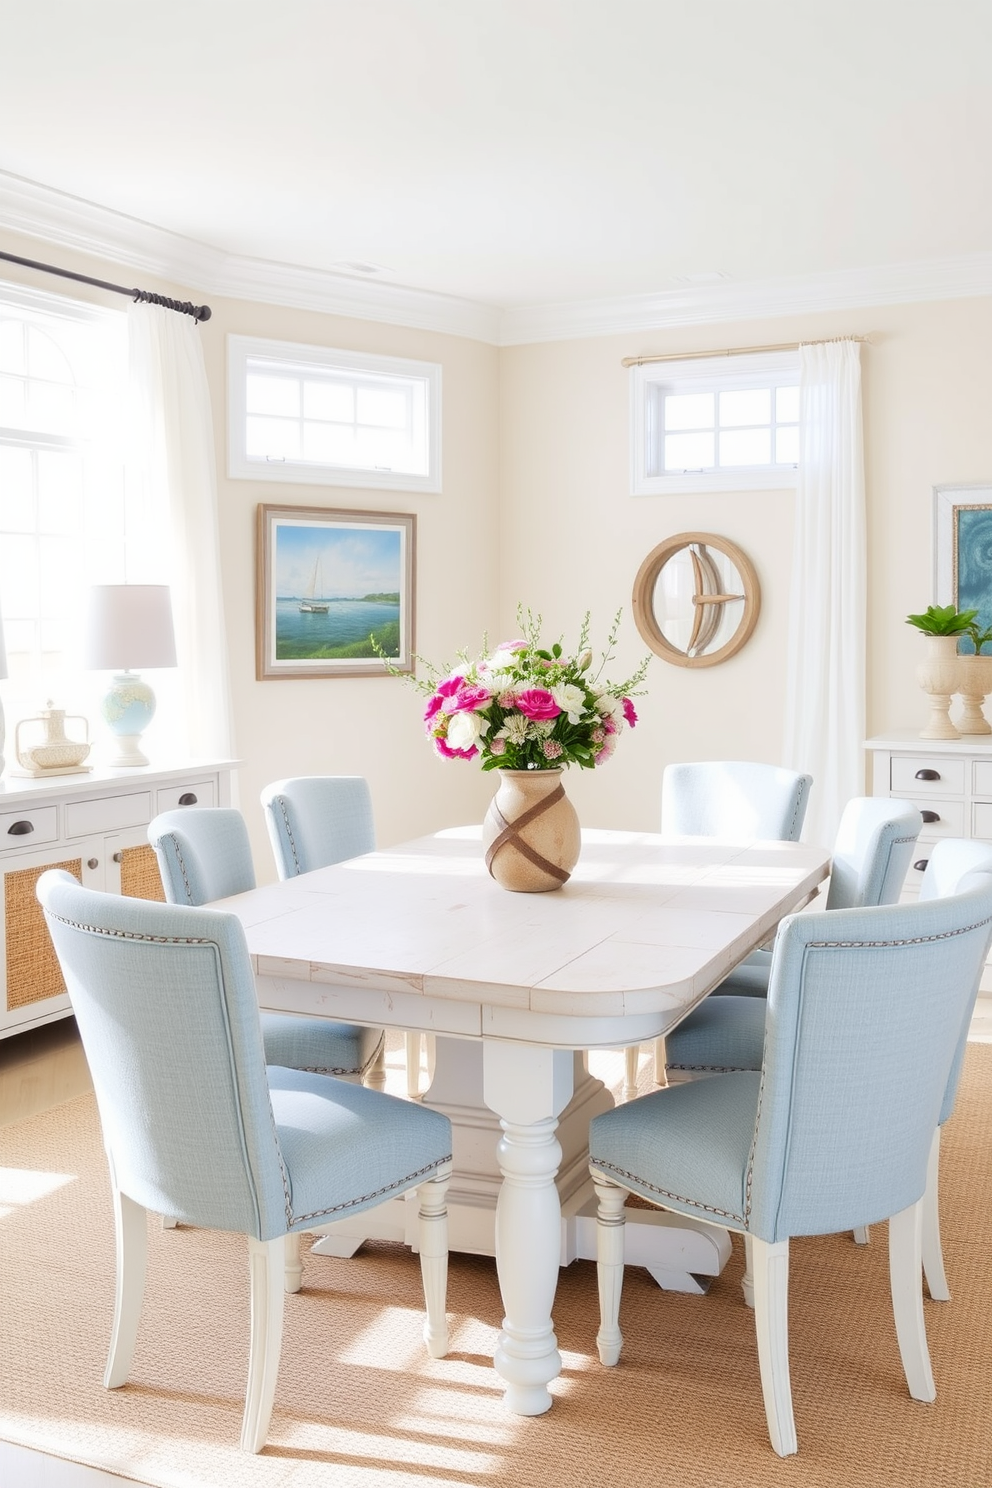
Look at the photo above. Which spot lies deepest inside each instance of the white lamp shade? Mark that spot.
(129, 627)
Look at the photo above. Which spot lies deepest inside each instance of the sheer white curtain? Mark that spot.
(172, 455)
(825, 677)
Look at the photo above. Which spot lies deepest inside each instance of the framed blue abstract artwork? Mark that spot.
(963, 551)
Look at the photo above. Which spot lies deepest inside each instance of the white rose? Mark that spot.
(464, 730)
(570, 699)
(606, 703)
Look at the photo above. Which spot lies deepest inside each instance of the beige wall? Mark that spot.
(572, 537)
(536, 509)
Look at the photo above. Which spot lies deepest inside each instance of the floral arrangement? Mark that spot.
(523, 706)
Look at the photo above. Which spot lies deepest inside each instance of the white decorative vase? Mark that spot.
(939, 676)
(974, 685)
(531, 836)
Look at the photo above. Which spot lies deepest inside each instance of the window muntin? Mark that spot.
(300, 413)
(715, 423)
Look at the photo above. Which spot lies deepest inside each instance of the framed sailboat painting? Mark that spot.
(334, 593)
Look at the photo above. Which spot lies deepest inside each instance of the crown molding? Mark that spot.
(964, 277)
(40, 212)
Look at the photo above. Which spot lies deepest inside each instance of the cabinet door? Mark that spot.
(132, 868)
(32, 978)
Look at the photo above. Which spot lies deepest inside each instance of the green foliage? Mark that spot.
(945, 620)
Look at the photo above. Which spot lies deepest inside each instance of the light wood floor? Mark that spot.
(45, 1066)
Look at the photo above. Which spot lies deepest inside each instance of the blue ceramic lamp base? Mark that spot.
(128, 708)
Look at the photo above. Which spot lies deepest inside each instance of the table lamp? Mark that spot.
(129, 626)
(3, 673)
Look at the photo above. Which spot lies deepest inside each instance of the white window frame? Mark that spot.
(293, 354)
(698, 375)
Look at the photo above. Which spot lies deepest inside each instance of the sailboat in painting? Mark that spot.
(310, 604)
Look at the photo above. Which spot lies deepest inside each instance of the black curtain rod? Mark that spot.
(142, 296)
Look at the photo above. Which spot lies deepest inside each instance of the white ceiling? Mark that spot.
(518, 153)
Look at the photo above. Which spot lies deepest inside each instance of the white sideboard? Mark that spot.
(94, 825)
(950, 780)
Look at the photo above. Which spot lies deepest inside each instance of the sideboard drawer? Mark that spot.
(194, 793)
(981, 778)
(950, 816)
(107, 814)
(940, 775)
(27, 827)
(981, 820)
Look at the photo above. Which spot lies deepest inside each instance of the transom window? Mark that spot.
(307, 413)
(727, 423)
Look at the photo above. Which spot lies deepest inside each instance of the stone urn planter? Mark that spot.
(939, 676)
(974, 685)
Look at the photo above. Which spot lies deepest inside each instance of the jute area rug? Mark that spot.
(359, 1403)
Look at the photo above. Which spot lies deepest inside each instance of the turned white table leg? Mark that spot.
(528, 1088)
(631, 1058)
(412, 1045)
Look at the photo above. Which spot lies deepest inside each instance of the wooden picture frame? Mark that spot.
(962, 550)
(325, 581)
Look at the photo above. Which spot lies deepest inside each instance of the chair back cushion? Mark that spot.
(864, 1017)
(872, 853)
(203, 854)
(738, 800)
(315, 820)
(165, 1002)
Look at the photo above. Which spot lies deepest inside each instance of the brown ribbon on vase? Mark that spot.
(510, 833)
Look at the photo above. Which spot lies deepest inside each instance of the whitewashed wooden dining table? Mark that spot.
(515, 986)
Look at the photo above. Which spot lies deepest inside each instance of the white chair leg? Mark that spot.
(412, 1041)
(771, 1321)
(266, 1269)
(862, 1235)
(132, 1253)
(609, 1266)
(747, 1280)
(933, 1254)
(430, 1049)
(660, 1063)
(168, 1223)
(293, 1274)
(905, 1261)
(631, 1056)
(375, 1075)
(433, 1240)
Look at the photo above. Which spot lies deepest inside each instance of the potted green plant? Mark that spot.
(939, 673)
(976, 681)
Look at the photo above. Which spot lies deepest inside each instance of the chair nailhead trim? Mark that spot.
(858, 945)
(289, 833)
(375, 1194)
(133, 935)
(608, 1167)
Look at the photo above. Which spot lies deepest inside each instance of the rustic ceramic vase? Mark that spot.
(974, 685)
(938, 674)
(531, 836)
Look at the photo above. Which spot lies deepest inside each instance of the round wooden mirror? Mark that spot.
(696, 599)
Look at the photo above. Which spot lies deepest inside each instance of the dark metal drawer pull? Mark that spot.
(921, 864)
(187, 799)
(928, 774)
(20, 829)
(930, 816)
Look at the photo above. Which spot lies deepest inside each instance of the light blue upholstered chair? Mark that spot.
(871, 855)
(734, 799)
(316, 820)
(738, 800)
(203, 855)
(196, 1128)
(865, 1012)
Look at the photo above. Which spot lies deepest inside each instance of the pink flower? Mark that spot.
(551, 749)
(512, 646)
(605, 750)
(467, 699)
(450, 686)
(629, 712)
(609, 723)
(445, 750)
(433, 707)
(497, 746)
(537, 703)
